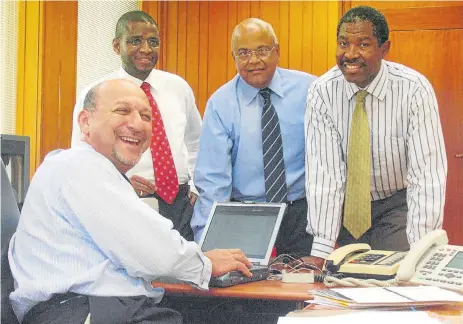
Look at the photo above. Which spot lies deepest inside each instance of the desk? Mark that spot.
(263, 290)
(289, 296)
(260, 302)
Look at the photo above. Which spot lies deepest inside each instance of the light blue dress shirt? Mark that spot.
(230, 160)
(83, 229)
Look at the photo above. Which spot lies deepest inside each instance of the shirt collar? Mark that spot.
(82, 144)
(249, 92)
(377, 87)
(151, 79)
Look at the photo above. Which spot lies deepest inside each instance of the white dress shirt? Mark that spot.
(83, 229)
(407, 149)
(180, 116)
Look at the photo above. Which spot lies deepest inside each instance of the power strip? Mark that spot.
(297, 277)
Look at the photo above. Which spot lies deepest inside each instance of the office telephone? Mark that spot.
(430, 262)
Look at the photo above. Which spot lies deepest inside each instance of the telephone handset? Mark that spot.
(409, 263)
(360, 261)
(339, 256)
(430, 262)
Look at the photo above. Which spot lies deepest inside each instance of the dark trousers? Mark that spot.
(388, 225)
(72, 308)
(179, 212)
(293, 237)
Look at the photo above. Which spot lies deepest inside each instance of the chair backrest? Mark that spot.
(10, 218)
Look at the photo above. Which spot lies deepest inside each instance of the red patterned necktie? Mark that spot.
(165, 174)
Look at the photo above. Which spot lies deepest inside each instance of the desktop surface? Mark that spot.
(265, 290)
(272, 296)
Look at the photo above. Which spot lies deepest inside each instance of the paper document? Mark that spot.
(427, 293)
(361, 298)
(364, 317)
(371, 295)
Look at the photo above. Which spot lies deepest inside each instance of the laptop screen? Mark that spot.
(249, 227)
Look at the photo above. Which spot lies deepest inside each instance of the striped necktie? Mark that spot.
(272, 149)
(357, 205)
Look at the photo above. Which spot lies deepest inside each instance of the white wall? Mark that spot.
(96, 27)
(8, 58)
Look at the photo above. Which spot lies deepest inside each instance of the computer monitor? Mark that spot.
(15, 152)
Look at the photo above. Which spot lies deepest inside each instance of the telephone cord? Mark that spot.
(331, 281)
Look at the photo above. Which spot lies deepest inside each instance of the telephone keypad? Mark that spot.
(369, 258)
(437, 271)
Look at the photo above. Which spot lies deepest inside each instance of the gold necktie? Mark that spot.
(357, 205)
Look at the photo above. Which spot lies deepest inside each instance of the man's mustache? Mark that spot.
(351, 61)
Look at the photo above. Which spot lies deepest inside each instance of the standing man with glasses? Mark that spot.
(252, 142)
(166, 168)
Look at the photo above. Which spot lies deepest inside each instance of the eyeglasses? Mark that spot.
(137, 42)
(245, 55)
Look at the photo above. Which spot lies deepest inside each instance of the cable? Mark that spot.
(331, 281)
(292, 263)
(319, 277)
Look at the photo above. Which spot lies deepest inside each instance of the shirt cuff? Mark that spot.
(412, 244)
(205, 275)
(193, 188)
(322, 248)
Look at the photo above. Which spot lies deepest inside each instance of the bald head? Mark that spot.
(256, 52)
(252, 26)
(90, 101)
(116, 122)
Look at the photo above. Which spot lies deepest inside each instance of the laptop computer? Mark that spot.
(251, 227)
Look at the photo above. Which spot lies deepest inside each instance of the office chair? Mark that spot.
(10, 218)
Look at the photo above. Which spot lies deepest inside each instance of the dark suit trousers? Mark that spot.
(179, 212)
(388, 225)
(293, 237)
(72, 308)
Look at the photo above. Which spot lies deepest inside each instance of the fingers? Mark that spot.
(315, 260)
(192, 197)
(241, 257)
(142, 186)
(224, 261)
(244, 269)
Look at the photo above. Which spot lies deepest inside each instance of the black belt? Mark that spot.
(289, 202)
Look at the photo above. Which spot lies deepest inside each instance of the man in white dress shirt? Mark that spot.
(85, 241)
(393, 112)
(137, 43)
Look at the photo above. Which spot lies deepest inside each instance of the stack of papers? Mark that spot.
(382, 297)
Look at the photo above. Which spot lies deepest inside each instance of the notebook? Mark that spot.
(251, 227)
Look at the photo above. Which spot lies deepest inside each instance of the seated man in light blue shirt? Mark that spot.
(86, 242)
(240, 157)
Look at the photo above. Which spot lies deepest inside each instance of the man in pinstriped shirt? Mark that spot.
(408, 160)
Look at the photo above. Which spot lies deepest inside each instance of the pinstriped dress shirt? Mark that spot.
(407, 149)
